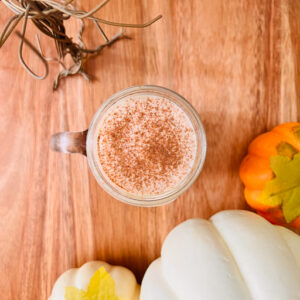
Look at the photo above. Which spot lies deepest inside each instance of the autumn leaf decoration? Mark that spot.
(284, 189)
(101, 287)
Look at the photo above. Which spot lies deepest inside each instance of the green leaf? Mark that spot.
(101, 287)
(284, 189)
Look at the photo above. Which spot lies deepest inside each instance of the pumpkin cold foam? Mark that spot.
(146, 145)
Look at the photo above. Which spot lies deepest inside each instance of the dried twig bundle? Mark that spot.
(49, 17)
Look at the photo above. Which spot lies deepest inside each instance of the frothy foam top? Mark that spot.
(146, 145)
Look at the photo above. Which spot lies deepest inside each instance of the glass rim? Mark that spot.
(146, 200)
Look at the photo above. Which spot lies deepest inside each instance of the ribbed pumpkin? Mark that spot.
(255, 170)
(236, 255)
(125, 282)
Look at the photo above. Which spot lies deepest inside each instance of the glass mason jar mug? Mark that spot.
(167, 102)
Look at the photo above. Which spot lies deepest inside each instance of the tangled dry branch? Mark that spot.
(49, 17)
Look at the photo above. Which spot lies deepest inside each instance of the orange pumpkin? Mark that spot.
(255, 169)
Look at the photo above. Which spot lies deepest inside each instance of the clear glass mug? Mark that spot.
(85, 143)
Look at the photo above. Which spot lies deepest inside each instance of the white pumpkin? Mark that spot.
(236, 255)
(126, 285)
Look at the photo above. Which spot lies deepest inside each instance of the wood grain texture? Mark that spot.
(237, 62)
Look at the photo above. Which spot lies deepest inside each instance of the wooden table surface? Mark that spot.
(237, 62)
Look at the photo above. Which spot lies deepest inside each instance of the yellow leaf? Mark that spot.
(73, 293)
(101, 287)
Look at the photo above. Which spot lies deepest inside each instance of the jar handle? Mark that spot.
(69, 142)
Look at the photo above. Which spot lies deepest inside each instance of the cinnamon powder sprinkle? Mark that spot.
(146, 145)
